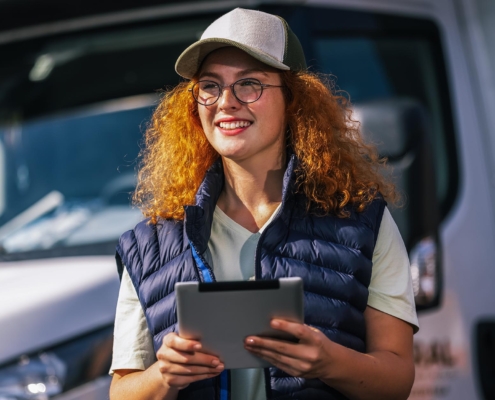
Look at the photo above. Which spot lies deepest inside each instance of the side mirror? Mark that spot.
(400, 129)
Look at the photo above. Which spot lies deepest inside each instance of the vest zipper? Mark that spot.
(257, 262)
(257, 274)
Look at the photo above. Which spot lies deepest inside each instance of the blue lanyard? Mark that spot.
(205, 272)
(203, 269)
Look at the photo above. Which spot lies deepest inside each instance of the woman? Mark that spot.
(281, 186)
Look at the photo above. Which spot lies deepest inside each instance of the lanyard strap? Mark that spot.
(206, 274)
(203, 269)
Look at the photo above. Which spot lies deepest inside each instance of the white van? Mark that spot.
(77, 87)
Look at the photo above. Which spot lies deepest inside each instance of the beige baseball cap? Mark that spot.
(263, 36)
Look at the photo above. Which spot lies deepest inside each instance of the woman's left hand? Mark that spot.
(310, 358)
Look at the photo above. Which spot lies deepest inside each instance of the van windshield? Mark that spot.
(68, 178)
(73, 110)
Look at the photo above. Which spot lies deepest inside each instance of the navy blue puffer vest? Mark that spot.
(332, 255)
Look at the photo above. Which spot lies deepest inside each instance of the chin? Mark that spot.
(232, 152)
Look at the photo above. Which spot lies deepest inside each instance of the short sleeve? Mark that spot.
(132, 341)
(390, 290)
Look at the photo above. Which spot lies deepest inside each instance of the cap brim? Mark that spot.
(190, 60)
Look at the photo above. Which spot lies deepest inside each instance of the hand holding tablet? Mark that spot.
(222, 314)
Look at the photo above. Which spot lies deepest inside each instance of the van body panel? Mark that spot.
(80, 292)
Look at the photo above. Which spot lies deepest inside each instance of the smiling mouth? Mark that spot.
(234, 125)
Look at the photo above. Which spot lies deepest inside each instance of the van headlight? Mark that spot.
(38, 377)
(47, 373)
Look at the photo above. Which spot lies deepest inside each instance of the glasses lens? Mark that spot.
(248, 90)
(206, 92)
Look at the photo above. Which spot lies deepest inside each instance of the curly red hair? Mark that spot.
(336, 168)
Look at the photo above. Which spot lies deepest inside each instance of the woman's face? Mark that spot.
(260, 130)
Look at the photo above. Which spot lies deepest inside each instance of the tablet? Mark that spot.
(222, 314)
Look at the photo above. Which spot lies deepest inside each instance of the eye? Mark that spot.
(208, 85)
(249, 82)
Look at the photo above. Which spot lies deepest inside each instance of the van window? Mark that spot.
(380, 68)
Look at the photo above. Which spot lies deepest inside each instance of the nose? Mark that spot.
(227, 99)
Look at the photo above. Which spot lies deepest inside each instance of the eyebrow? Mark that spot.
(240, 73)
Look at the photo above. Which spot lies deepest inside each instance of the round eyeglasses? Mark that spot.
(247, 90)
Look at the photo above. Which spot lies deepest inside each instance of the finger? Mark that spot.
(285, 363)
(196, 358)
(174, 341)
(306, 350)
(300, 331)
(276, 345)
(191, 370)
(280, 358)
(180, 381)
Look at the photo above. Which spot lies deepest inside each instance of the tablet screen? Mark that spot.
(222, 314)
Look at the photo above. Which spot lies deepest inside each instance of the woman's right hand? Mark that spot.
(181, 362)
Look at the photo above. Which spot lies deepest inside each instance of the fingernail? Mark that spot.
(219, 366)
(275, 324)
(215, 363)
(197, 347)
(250, 341)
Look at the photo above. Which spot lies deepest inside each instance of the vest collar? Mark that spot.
(199, 218)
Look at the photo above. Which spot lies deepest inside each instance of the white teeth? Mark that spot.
(234, 125)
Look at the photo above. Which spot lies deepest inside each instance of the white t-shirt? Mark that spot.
(231, 250)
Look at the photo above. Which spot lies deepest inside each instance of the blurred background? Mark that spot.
(78, 83)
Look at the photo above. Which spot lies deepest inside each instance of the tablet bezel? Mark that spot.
(222, 314)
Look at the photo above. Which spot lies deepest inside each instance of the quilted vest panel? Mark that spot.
(332, 255)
